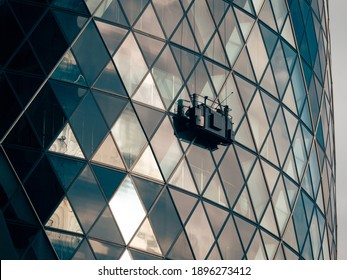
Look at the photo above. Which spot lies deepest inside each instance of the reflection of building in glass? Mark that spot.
(90, 164)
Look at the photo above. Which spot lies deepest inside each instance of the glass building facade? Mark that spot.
(91, 168)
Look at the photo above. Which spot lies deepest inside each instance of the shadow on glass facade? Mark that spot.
(90, 164)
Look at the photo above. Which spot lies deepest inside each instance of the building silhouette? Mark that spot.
(92, 165)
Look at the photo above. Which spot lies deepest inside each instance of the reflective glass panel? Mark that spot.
(126, 207)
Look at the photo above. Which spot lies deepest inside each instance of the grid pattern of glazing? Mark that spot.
(90, 165)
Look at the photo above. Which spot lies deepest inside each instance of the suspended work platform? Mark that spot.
(208, 126)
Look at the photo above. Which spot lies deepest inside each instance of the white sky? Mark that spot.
(338, 9)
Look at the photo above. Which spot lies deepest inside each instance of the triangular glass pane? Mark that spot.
(63, 244)
(202, 166)
(281, 136)
(245, 22)
(292, 191)
(148, 94)
(280, 69)
(231, 176)
(256, 249)
(70, 24)
(65, 169)
(185, 60)
(69, 71)
(199, 82)
(106, 229)
(281, 207)
(145, 239)
(182, 178)
(150, 47)
(199, 233)
(89, 125)
(246, 159)
(112, 35)
(258, 190)
(76, 6)
(268, 221)
(216, 51)
(147, 191)
(147, 165)
(129, 135)
(289, 235)
(229, 242)
(64, 218)
(244, 136)
(86, 198)
(298, 86)
(184, 36)
(184, 203)
(216, 216)
(287, 33)
(136, 255)
(258, 120)
(148, 23)
(307, 250)
(244, 206)
(270, 39)
(130, 64)
(214, 191)
(108, 154)
(201, 22)
(271, 106)
(66, 143)
(266, 15)
(269, 151)
(110, 105)
(257, 52)
(290, 55)
(292, 122)
(105, 251)
(243, 66)
(167, 76)
(169, 13)
(246, 231)
(109, 179)
(271, 175)
(127, 209)
(217, 74)
(133, 8)
(69, 96)
(289, 167)
(268, 82)
(289, 99)
(88, 44)
(109, 81)
(270, 245)
(181, 250)
(168, 151)
(166, 230)
(309, 207)
(149, 118)
(231, 36)
(110, 10)
(84, 252)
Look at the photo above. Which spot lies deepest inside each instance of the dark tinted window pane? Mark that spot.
(86, 198)
(48, 42)
(9, 33)
(88, 125)
(46, 115)
(90, 53)
(9, 107)
(104, 251)
(147, 190)
(165, 229)
(45, 191)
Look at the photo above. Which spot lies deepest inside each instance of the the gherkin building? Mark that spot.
(105, 152)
